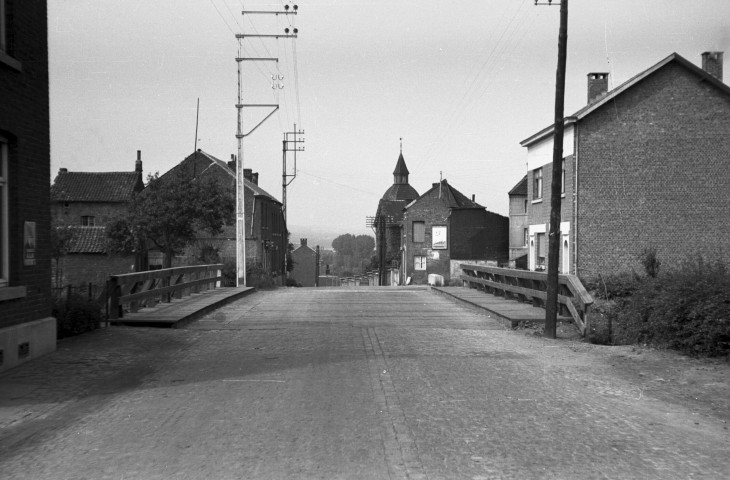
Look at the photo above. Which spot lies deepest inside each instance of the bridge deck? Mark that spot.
(179, 312)
(504, 309)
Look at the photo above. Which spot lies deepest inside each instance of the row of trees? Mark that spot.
(354, 254)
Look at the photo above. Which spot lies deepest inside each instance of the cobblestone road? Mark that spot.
(370, 383)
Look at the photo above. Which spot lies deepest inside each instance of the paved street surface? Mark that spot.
(375, 383)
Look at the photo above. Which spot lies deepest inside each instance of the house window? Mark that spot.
(419, 262)
(562, 176)
(3, 28)
(419, 232)
(526, 235)
(525, 205)
(4, 212)
(87, 221)
(6, 27)
(537, 184)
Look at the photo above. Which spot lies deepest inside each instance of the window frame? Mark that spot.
(4, 212)
(562, 176)
(537, 184)
(88, 221)
(3, 28)
(423, 231)
(419, 261)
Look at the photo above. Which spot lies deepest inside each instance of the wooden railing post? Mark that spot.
(113, 290)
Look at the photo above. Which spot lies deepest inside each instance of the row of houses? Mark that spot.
(645, 165)
(432, 233)
(86, 202)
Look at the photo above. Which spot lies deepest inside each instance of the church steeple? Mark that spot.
(400, 174)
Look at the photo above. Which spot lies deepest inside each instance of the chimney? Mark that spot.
(232, 163)
(62, 170)
(247, 174)
(597, 86)
(255, 178)
(473, 197)
(303, 242)
(712, 64)
(138, 163)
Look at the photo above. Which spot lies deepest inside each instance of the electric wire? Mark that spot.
(474, 81)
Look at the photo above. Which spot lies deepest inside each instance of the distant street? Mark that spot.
(371, 383)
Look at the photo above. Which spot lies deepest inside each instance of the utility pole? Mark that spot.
(551, 304)
(290, 144)
(240, 189)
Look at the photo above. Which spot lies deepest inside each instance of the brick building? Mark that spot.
(266, 233)
(27, 329)
(443, 228)
(518, 226)
(391, 207)
(305, 265)
(646, 164)
(85, 203)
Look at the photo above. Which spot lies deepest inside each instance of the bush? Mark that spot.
(229, 274)
(290, 282)
(686, 308)
(76, 315)
(257, 277)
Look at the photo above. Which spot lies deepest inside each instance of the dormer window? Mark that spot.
(87, 221)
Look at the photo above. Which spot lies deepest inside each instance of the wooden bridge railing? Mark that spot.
(531, 287)
(146, 289)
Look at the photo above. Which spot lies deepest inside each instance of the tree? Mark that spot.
(170, 211)
(353, 253)
(62, 235)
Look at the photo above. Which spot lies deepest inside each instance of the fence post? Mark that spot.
(112, 287)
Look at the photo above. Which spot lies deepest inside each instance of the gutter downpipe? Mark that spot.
(574, 227)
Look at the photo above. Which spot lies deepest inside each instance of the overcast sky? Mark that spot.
(461, 81)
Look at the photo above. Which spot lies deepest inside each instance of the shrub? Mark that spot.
(229, 273)
(257, 277)
(686, 308)
(76, 315)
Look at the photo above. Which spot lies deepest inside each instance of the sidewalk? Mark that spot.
(180, 312)
(507, 311)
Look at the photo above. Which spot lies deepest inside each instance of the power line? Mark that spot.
(222, 18)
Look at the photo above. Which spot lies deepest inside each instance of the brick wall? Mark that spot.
(654, 171)
(539, 209)
(304, 271)
(517, 226)
(81, 269)
(429, 209)
(24, 121)
(103, 213)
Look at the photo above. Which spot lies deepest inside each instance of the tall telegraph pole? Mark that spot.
(551, 305)
(240, 189)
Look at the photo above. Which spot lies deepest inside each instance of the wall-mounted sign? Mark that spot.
(29, 243)
(438, 238)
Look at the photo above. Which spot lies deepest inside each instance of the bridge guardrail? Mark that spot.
(531, 287)
(159, 286)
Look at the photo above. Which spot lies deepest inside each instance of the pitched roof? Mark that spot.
(87, 239)
(95, 186)
(520, 188)
(217, 162)
(452, 197)
(609, 96)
